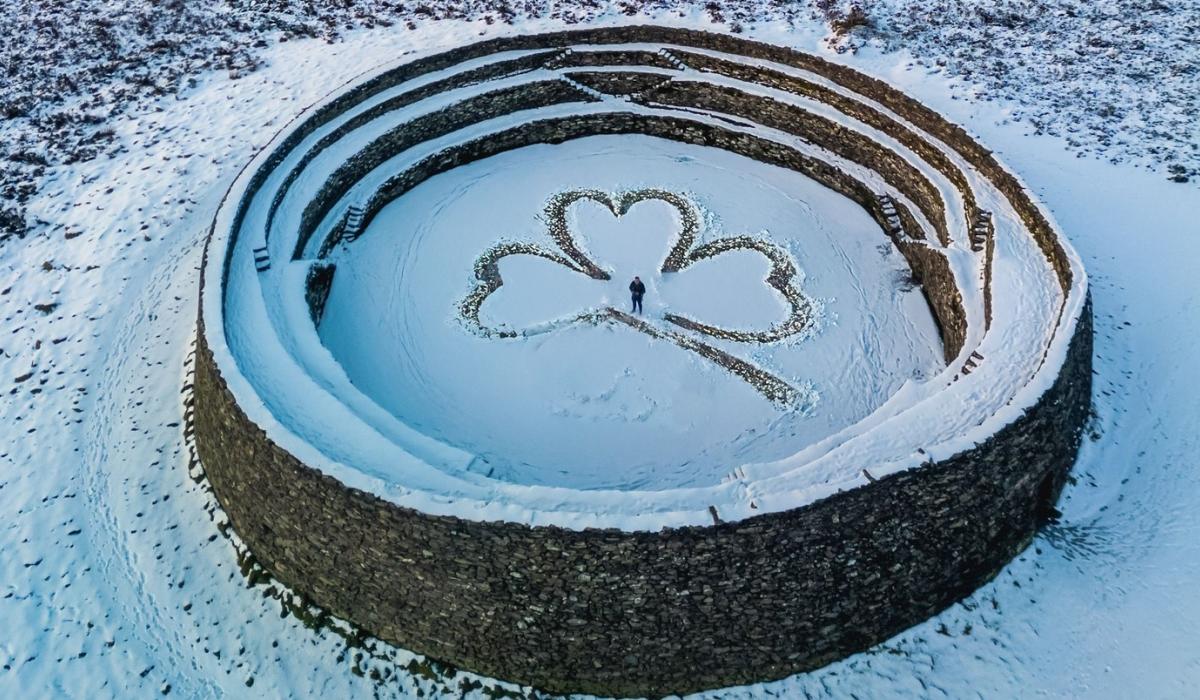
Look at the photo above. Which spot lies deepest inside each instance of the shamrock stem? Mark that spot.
(767, 384)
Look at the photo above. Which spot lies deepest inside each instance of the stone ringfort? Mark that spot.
(715, 596)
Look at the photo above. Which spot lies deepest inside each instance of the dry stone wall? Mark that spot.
(844, 105)
(492, 104)
(616, 613)
(683, 609)
(816, 129)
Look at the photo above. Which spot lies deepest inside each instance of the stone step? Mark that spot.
(354, 220)
(557, 60)
(890, 213)
(672, 59)
(637, 96)
(981, 231)
(593, 92)
(262, 259)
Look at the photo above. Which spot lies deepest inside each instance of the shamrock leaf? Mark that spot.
(539, 294)
(557, 282)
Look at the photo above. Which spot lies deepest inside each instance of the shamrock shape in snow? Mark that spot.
(682, 254)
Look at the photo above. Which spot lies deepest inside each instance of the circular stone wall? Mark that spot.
(642, 584)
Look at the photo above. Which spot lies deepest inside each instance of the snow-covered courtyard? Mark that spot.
(589, 406)
(116, 581)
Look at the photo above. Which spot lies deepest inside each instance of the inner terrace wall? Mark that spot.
(929, 267)
(823, 132)
(674, 611)
(912, 110)
(425, 128)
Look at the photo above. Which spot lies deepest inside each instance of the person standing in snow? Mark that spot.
(638, 290)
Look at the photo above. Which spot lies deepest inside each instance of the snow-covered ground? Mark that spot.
(115, 583)
(592, 406)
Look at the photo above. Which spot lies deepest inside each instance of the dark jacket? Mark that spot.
(637, 287)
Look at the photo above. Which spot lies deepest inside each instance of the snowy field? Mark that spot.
(115, 581)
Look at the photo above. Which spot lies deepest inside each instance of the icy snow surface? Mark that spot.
(114, 583)
(587, 406)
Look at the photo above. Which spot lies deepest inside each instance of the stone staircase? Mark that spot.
(637, 96)
(585, 89)
(672, 59)
(972, 362)
(558, 60)
(262, 259)
(352, 229)
(981, 230)
(888, 206)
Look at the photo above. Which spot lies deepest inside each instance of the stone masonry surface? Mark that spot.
(681, 610)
